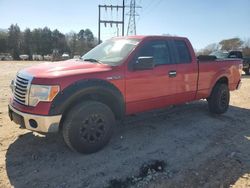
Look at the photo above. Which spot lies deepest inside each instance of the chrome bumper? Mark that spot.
(37, 123)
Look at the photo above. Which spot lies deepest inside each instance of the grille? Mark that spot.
(21, 89)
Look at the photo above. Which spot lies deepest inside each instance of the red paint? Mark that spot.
(145, 89)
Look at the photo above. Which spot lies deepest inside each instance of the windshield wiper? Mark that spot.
(93, 60)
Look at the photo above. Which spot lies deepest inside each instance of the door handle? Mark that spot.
(172, 74)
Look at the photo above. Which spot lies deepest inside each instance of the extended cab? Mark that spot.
(127, 75)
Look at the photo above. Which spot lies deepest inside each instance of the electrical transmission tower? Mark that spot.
(132, 14)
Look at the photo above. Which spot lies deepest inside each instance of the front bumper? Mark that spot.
(37, 123)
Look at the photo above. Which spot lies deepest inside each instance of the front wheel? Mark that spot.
(218, 102)
(88, 127)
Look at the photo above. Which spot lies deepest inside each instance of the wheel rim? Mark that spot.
(92, 128)
(224, 99)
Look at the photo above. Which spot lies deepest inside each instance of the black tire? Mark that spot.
(218, 102)
(88, 127)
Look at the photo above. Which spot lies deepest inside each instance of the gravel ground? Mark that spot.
(181, 146)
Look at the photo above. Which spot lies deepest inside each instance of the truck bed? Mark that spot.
(209, 71)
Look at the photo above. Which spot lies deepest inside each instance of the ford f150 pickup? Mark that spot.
(83, 98)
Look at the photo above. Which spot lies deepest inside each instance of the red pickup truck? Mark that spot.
(125, 75)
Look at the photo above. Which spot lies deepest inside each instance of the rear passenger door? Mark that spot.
(187, 71)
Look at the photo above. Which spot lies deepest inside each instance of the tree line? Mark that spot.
(228, 45)
(43, 41)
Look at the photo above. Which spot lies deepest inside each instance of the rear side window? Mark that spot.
(182, 52)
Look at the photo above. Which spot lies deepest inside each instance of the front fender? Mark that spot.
(82, 89)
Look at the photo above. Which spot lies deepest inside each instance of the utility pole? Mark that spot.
(123, 15)
(111, 22)
(132, 14)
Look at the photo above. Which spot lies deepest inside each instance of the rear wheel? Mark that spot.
(218, 102)
(88, 127)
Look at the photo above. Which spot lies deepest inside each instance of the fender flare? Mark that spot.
(218, 76)
(91, 89)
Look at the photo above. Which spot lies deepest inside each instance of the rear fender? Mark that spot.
(222, 76)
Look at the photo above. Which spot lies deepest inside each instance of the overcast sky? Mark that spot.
(202, 21)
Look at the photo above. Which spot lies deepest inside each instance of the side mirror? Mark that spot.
(144, 63)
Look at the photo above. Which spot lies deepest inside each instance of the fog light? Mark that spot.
(33, 123)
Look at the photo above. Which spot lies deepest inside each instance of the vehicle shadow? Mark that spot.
(186, 137)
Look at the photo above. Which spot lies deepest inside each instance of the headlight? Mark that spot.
(42, 93)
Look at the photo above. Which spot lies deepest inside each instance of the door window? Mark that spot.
(159, 50)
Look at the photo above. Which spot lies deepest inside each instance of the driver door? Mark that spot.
(151, 89)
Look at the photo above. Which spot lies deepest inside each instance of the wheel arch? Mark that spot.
(93, 89)
(223, 79)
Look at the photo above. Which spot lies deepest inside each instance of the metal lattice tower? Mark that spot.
(131, 23)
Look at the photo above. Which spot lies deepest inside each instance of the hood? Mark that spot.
(65, 68)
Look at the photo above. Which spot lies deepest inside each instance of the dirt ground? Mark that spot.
(182, 146)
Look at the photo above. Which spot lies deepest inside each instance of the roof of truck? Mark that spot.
(151, 36)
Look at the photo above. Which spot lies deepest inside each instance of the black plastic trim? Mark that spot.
(92, 89)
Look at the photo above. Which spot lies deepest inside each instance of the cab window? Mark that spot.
(159, 50)
(182, 51)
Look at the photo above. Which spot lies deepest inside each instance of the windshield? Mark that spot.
(111, 52)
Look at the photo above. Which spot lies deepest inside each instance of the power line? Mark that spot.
(150, 6)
